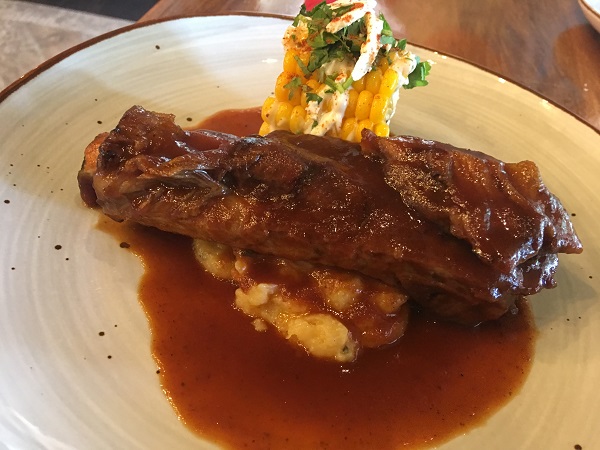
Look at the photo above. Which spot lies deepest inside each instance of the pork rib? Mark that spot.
(402, 210)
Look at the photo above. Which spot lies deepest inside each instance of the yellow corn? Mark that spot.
(362, 124)
(389, 82)
(379, 107)
(384, 64)
(283, 93)
(369, 104)
(297, 119)
(283, 114)
(266, 112)
(352, 100)
(373, 81)
(359, 85)
(304, 57)
(382, 129)
(264, 129)
(314, 85)
(363, 105)
(303, 100)
(289, 62)
(348, 128)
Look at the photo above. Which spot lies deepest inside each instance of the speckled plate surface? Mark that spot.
(75, 363)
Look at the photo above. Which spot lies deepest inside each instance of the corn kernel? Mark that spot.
(297, 119)
(352, 100)
(303, 100)
(282, 116)
(313, 84)
(296, 96)
(360, 126)
(265, 112)
(363, 105)
(304, 57)
(382, 129)
(264, 129)
(348, 127)
(373, 81)
(283, 93)
(384, 64)
(378, 108)
(359, 85)
(389, 83)
(289, 62)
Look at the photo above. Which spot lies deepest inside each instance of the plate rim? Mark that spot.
(591, 13)
(49, 63)
(484, 76)
(591, 8)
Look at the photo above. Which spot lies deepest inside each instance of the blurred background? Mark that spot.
(126, 9)
(33, 31)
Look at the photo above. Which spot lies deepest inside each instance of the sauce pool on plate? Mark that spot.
(241, 388)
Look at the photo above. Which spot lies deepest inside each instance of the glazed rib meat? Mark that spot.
(459, 232)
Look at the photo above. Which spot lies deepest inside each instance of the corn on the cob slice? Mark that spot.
(348, 92)
(316, 108)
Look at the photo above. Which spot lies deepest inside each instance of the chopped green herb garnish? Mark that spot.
(330, 81)
(346, 42)
(302, 66)
(417, 77)
(296, 82)
(387, 37)
(346, 84)
(312, 97)
(330, 46)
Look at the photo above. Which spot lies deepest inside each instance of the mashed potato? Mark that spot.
(330, 313)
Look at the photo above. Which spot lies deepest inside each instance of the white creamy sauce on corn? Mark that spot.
(332, 119)
(403, 67)
(320, 120)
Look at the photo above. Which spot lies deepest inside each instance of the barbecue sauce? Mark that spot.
(241, 388)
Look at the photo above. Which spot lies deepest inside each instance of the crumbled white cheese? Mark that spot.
(369, 48)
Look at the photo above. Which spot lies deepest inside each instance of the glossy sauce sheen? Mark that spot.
(246, 389)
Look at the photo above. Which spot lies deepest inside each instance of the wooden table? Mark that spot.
(548, 46)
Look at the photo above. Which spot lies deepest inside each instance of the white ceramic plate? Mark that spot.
(58, 389)
(591, 11)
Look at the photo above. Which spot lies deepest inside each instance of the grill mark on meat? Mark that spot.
(406, 217)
